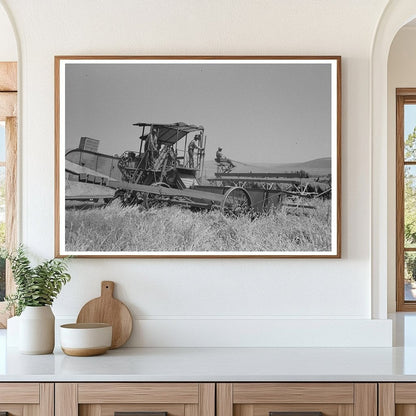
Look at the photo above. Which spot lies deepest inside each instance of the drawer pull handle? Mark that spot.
(140, 414)
(295, 413)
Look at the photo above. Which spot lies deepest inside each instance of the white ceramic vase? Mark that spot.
(37, 330)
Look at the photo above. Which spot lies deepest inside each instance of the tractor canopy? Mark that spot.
(170, 133)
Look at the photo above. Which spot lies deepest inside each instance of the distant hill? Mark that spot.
(322, 163)
(315, 167)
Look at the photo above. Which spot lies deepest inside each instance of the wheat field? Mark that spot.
(130, 229)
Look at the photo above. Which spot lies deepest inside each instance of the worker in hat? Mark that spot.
(223, 160)
(194, 144)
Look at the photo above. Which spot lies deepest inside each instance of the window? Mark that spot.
(2, 206)
(8, 165)
(406, 199)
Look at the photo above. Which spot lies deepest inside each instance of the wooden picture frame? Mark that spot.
(198, 156)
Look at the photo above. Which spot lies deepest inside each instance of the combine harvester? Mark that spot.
(162, 172)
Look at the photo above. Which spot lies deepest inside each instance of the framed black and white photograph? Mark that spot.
(198, 156)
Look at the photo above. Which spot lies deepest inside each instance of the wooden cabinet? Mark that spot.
(208, 399)
(297, 399)
(108, 399)
(27, 399)
(397, 399)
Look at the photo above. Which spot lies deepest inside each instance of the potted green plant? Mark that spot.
(36, 289)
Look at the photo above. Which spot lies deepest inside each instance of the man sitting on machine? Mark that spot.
(223, 162)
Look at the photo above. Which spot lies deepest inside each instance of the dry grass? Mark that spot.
(178, 229)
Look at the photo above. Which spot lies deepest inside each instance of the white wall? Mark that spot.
(203, 302)
(401, 74)
(8, 47)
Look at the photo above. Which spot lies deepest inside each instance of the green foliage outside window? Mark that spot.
(410, 204)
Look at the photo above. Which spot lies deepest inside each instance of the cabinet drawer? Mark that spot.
(297, 399)
(21, 399)
(138, 393)
(145, 399)
(19, 393)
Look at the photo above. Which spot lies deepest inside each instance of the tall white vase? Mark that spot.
(37, 330)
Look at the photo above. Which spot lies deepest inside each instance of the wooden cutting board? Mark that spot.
(108, 310)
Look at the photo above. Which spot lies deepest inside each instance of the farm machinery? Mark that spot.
(162, 172)
(167, 170)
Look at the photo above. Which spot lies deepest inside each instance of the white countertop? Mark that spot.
(215, 364)
(221, 364)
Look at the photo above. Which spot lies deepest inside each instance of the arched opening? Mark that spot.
(8, 151)
(383, 239)
(401, 124)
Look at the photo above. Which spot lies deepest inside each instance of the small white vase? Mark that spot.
(37, 330)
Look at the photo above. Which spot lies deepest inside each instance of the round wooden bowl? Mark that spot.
(84, 340)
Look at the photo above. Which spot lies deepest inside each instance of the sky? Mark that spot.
(258, 113)
(409, 119)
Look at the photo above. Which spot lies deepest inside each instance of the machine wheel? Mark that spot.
(155, 200)
(236, 201)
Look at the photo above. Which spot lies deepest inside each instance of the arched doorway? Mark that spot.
(395, 16)
(8, 150)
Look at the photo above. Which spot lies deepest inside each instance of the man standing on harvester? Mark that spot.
(223, 160)
(194, 144)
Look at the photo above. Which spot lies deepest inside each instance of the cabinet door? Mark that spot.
(397, 399)
(141, 399)
(297, 399)
(26, 399)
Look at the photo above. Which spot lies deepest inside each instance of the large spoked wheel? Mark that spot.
(236, 201)
(156, 200)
